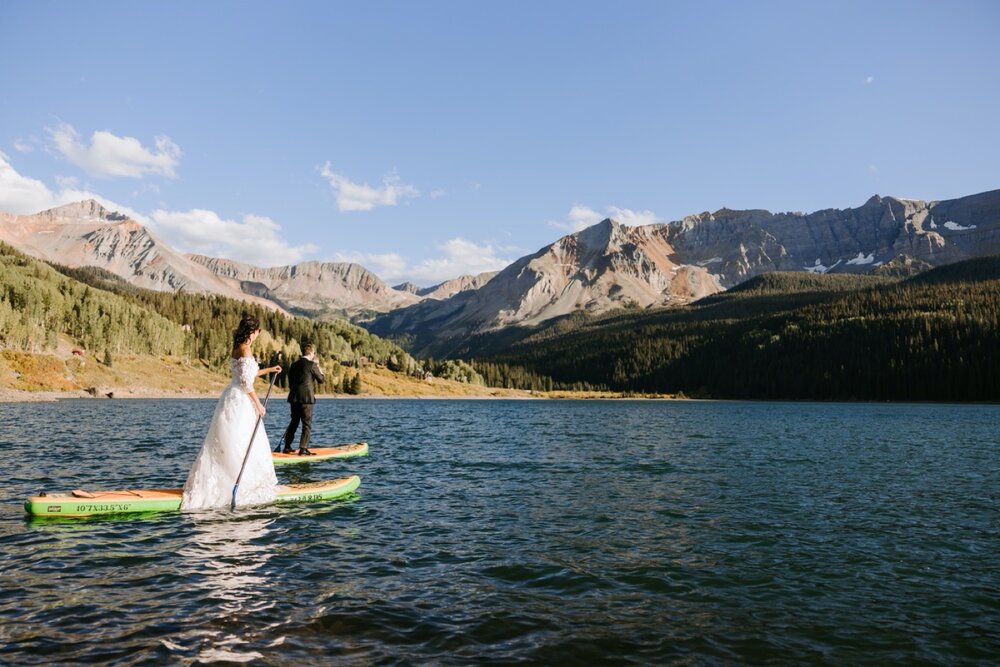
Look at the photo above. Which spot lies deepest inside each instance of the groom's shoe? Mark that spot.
(306, 452)
(286, 450)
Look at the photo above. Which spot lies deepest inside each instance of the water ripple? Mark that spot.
(498, 532)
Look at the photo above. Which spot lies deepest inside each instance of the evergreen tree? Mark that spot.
(209, 320)
(932, 337)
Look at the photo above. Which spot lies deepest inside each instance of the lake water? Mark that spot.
(545, 532)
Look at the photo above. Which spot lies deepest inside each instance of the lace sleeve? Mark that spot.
(248, 373)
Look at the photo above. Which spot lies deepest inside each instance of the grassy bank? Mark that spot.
(62, 374)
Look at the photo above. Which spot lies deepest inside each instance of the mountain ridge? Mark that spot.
(87, 234)
(931, 337)
(602, 267)
(312, 287)
(673, 263)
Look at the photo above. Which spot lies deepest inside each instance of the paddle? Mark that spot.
(246, 456)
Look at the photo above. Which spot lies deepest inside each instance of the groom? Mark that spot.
(302, 398)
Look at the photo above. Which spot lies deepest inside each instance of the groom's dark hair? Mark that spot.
(308, 348)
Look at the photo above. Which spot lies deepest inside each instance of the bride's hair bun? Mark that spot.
(247, 326)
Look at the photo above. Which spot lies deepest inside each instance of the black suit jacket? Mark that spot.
(300, 381)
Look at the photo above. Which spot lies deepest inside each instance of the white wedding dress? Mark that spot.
(210, 482)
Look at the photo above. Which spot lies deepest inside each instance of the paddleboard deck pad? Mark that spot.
(322, 454)
(79, 503)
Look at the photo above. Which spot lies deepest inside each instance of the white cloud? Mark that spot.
(146, 188)
(255, 240)
(631, 218)
(109, 155)
(581, 217)
(68, 182)
(353, 196)
(435, 194)
(22, 195)
(24, 145)
(869, 79)
(457, 257)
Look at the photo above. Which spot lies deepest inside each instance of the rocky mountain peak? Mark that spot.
(878, 201)
(407, 287)
(455, 285)
(88, 210)
(607, 265)
(313, 287)
(725, 212)
(85, 233)
(606, 233)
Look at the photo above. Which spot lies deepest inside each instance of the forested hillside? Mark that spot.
(210, 320)
(933, 337)
(37, 304)
(101, 312)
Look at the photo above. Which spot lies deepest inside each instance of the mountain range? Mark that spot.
(601, 268)
(320, 289)
(87, 234)
(610, 266)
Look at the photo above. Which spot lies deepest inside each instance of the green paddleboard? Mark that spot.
(77, 504)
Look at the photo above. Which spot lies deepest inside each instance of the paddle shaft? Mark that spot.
(250, 446)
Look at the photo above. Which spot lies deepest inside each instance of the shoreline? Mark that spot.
(8, 395)
(43, 378)
(33, 378)
(25, 396)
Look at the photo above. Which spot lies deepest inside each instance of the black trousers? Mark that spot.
(301, 412)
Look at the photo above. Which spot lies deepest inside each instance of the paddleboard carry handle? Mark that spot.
(246, 456)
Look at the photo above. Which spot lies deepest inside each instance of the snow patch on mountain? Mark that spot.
(862, 258)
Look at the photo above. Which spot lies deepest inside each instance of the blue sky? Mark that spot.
(430, 139)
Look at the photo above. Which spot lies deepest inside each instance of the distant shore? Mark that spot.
(62, 375)
(22, 396)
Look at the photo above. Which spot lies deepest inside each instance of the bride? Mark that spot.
(213, 475)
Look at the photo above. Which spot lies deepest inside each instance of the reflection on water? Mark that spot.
(226, 558)
(229, 555)
(520, 532)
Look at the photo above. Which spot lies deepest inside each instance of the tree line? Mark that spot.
(932, 337)
(105, 314)
(37, 304)
(209, 320)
